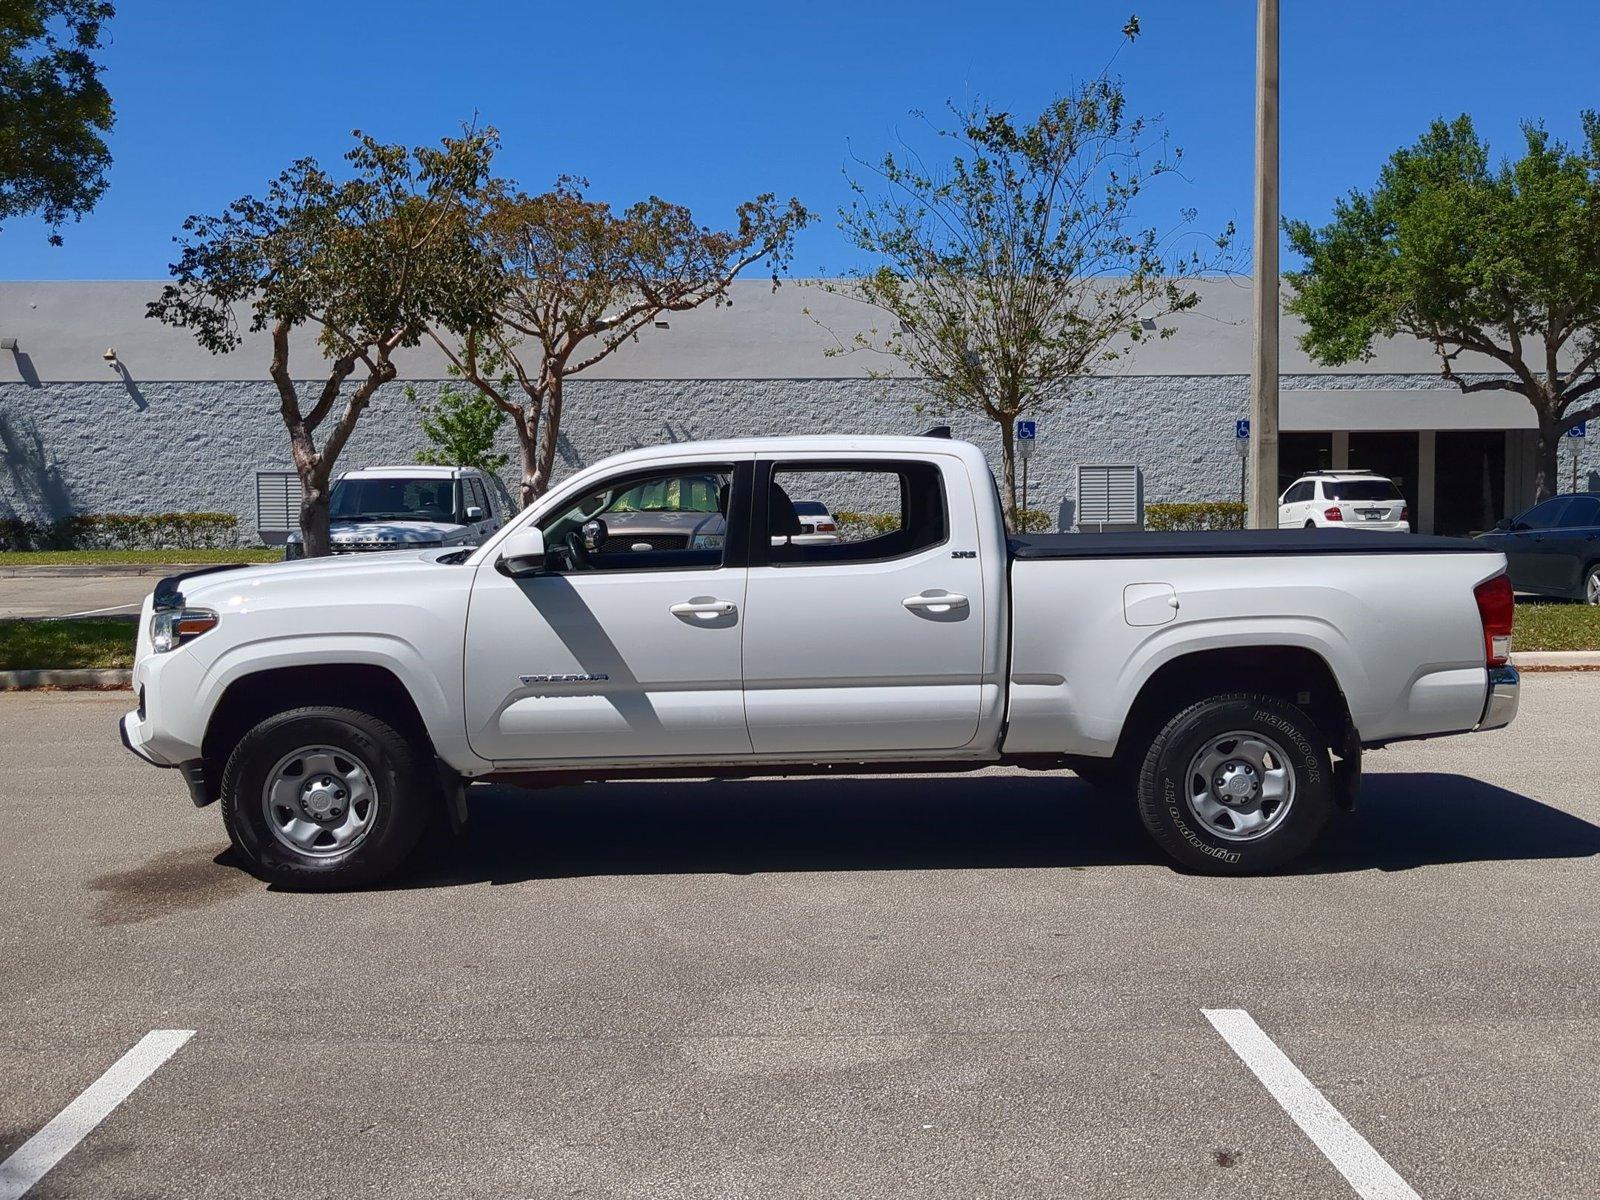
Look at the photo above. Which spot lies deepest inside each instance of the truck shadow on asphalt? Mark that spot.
(1405, 820)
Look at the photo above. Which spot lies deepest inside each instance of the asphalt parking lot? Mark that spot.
(982, 985)
(35, 592)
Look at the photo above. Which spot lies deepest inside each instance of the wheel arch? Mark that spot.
(1297, 674)
(252, 697)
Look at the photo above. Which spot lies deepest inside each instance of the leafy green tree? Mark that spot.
(365, 264)
(569, 282)
(54, 111)
(1020, 263)
(1501, 262)
(461, 425)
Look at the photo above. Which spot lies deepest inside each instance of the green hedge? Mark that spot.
(124, 531)
(1206, 514)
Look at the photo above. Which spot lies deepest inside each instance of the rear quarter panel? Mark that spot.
(1400, 632)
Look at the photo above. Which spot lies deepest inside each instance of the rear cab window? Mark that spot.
(883, 509)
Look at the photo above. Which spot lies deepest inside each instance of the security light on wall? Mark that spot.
(111, 357)
(8, 344)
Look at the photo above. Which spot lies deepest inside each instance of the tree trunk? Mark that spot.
(1546, 464)
(549, 435)
(314, 510)
(1008, 460)
(528, 459)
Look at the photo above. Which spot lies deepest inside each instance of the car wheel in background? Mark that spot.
(1591, 585)
(1237, 784)
(326, 798)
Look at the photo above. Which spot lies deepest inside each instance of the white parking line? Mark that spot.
(74, 1123)
(1364, 1168)
(89, 612)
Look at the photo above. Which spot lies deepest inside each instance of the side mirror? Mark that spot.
(474, 513)
(594, 534)
(1503, 525)
(522, 553)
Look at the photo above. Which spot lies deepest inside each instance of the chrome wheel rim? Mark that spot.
(1591, 589)
(1240, 786)
(319, 801)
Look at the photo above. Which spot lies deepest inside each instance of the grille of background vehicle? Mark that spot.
(367, 546)
(655, 541)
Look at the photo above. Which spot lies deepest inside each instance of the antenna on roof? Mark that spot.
(939, 431)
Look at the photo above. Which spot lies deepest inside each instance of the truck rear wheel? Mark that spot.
(1237, 784)
(326, 798)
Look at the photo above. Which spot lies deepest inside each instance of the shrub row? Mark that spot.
(1207, 514)
(123, 531)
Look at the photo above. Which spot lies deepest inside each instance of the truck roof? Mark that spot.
(843, 445)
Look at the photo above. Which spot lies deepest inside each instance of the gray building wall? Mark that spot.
(172, 428)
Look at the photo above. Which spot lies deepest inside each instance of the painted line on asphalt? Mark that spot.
(90, 612)
(77, 1120)
(1361, 1165)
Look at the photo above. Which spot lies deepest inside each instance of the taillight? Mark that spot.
(1333, 514)
(1405, 512)
(1496, 609)
(827, 527)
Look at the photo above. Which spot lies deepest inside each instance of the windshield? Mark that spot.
(1360, 489)
(397, 499)
(810, 508)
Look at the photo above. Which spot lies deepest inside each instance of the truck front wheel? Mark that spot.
(1237, 784)
(326, 798)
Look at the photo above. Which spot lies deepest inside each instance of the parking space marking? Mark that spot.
(1362, 1166)
(51, 1144)
(89, 612)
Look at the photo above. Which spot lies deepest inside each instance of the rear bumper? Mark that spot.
(1505, 687)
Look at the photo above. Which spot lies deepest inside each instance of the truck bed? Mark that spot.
(1235, 543)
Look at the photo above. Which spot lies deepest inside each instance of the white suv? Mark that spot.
(1344, 500)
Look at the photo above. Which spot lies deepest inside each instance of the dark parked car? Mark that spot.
(1554, 548)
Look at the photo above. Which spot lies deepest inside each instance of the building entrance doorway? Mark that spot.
(1469, 481)
(1391, 454)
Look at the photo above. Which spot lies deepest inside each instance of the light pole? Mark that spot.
(1264, 367)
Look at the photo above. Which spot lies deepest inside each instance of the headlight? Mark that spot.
(171, 628)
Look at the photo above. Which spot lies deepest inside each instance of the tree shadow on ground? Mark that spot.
(973, 822)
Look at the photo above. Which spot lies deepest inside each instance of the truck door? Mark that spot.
(871, 638)
(615, 652)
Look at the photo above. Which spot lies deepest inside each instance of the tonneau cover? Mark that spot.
(1237, 543)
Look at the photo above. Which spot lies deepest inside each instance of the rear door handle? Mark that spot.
(938, 602)
(703, 608)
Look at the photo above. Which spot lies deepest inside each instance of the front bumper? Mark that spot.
(1505, 687)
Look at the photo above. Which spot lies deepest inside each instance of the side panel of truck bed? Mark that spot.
(1400, 631)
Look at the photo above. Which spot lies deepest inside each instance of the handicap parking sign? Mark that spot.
(1027, 430)
(1241, 429)
(1581, 429)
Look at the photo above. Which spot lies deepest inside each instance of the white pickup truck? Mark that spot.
(1228, 682)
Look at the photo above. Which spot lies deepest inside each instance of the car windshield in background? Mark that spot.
(393, 500)
(811, 508)
(1360, 489)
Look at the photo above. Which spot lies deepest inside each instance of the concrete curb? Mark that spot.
(64, 679)
(1556, 660)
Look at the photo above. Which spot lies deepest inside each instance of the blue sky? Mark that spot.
(707, 103)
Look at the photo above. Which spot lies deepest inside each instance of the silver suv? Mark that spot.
(410, 508)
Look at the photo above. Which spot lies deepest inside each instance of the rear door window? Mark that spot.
(1581, 512)
(883, 510)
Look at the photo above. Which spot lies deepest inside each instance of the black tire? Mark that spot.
(1174, 823)
(404, 800)
(1311, 524)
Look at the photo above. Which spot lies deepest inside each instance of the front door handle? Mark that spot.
(935, 602)
(703, 608)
